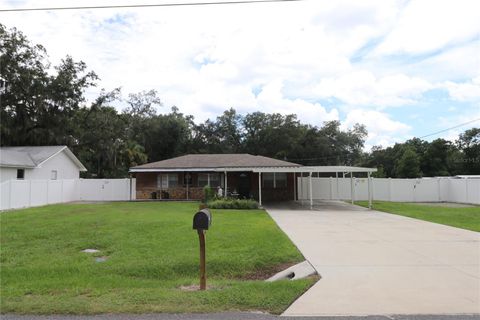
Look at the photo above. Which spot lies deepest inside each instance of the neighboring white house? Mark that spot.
(39, 163)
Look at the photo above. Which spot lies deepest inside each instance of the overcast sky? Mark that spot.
(402, 68)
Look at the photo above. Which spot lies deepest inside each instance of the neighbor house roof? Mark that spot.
(213, 161)
(33, 157)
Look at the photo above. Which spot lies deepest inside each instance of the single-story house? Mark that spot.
(185, 177)
(236, 175)
(39, 163)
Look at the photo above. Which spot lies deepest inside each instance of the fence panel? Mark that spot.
(458, 190)
(473, 191)
(401, 190)
(38, 192)
(426, 190)
(381, 189)
(29, 193)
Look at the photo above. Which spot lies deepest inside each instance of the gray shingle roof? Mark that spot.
(192, 161)
(31, 157)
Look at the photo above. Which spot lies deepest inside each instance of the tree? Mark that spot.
(469, 143)
(435, 159)
(408, 166)
(38, 106)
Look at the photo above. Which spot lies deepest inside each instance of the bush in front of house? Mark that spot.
(228, 203)
(208, 194)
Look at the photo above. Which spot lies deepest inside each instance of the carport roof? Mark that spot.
(316, 169)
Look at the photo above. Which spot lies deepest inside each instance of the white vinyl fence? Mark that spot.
(30, 193)
(400, 190)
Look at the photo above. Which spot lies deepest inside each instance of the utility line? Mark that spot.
(171, 4)
(428, 135)
(448, 129)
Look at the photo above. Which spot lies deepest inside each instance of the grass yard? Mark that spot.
(464, 217)
(152, 251)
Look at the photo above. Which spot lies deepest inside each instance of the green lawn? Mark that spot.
(465, 217)
(152, 251)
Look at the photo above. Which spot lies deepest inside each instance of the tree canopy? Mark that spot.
(46, 105)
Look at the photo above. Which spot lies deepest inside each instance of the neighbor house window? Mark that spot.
(53, 175)
(268, 180)
(280, 180)
(167, 180)
(20, 173)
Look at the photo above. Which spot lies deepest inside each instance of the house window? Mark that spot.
(268, 180)
(167, 180)
(20, 174)
(274, 180)
(53, 175)
(172, 180)
(162, 181)
(280, 180)
(203, 179)
(214, 180)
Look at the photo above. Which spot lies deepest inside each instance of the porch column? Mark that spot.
(369, 191)
(294, 186)
(311, 193)
(226, 187)
(260, 188)
(352, 196)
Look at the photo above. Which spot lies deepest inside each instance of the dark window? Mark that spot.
(280, 180)
(20, 173)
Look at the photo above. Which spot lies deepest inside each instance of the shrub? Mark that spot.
(208, 194)
(229, 203)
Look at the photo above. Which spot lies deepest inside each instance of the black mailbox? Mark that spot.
(202, 220)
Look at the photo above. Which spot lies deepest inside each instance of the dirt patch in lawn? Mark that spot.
(265, 273)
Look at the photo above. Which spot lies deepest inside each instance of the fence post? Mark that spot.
(439, 190)
(389, 189)
(10, 194)
(61, 191)
(466, 190)
(30, 193)
(331, 188)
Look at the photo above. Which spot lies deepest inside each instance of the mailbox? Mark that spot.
(202, 220)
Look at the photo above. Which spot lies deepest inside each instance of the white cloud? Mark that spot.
(283, 57)
(428, 25)
(381, 129)
(466, 91)
(271, 99)
(363, 88)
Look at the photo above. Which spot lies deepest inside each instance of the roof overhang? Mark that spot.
(325, 169)
(261, 169)
(16, 166)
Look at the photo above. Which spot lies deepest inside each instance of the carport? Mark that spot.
(309, 170)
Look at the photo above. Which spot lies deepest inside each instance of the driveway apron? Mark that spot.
(374, 263)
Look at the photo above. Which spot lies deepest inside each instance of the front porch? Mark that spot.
(189, 185)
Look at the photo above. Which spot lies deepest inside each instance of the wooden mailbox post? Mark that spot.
(201, 222)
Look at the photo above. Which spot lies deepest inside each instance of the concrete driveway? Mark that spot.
(374, 263)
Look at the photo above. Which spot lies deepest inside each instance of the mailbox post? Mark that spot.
(201, 221)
